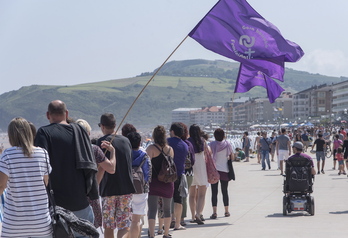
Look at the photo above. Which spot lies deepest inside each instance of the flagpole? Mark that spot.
(231, 118)
(135, 100)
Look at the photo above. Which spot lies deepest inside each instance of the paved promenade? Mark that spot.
(256, 207)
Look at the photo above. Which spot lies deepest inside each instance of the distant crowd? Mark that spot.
(324, 143)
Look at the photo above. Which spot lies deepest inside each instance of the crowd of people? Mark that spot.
(113, 182)
(324, 143)
(100, 180)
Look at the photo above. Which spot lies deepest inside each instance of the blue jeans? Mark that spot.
(87, 214)
(265, 156)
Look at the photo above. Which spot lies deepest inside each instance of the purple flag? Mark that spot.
(232, 28)
(248, 78)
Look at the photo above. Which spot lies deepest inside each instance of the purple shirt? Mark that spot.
(180, 153)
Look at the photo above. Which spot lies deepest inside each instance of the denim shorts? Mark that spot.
(320, 155)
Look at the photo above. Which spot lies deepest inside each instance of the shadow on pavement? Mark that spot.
(289, 215)
(339, 212)
(189, 227)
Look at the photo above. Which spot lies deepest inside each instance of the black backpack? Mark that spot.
(299, 175)
(138, 177)
(188, 164)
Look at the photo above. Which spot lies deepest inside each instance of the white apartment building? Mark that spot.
(200, 116)
(340, 99)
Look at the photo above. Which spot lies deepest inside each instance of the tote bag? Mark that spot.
(213, 174)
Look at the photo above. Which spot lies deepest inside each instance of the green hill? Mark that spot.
(188, 83)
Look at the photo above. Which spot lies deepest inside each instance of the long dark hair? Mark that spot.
(195, 134)
(159, 136)
(185, 134)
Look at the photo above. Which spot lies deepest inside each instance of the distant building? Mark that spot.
(314, 102)
(260, 110)
(232, 104)
(183, 115)
(200, 116)
(340, 100)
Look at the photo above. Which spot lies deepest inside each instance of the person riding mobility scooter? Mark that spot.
(298, 182)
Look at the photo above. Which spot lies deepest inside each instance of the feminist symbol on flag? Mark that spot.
(248, 42)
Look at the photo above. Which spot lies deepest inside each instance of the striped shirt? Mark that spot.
(26, 211)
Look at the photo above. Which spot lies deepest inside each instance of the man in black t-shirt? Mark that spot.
(320, 143)
(116, 189)
(68, 183)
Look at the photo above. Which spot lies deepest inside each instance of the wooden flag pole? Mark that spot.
(231, 118)
(135, 100)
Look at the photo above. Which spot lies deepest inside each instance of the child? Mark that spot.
(339, 157)
(240, 155)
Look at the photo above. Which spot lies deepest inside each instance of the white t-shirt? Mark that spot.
(26, 212)
(221, 161)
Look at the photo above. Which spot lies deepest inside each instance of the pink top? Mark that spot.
(339, 156)
(337, 143)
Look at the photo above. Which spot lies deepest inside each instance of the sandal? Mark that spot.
(202, 218)
(213, 216)
(227, 214)
(199, 221)
(160, 232)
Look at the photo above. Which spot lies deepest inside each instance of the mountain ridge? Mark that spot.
(186, 83)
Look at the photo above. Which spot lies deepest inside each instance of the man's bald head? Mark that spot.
(57, 112)
(57, 107)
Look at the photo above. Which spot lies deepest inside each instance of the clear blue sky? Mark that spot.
(72, 42)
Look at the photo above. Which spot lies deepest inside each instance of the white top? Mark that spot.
(200, 177)
(26, 212)
(221, 161)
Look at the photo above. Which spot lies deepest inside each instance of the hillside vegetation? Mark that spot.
(188, 83)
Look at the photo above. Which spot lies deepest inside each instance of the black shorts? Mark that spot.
(345, 156)
(176, 197)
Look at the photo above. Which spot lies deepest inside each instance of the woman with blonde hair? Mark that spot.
(24, 171)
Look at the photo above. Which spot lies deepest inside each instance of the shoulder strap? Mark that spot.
(165, 154)
(143, 161)
(158, 148)
(49, 189)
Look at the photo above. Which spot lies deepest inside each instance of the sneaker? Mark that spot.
(333, 168)
(339, 173)
(322, 172)
(344, 173)
(318, 172)
(263, 169)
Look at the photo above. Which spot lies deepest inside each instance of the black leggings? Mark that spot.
(214, 193)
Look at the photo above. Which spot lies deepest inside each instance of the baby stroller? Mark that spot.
(298, 185)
